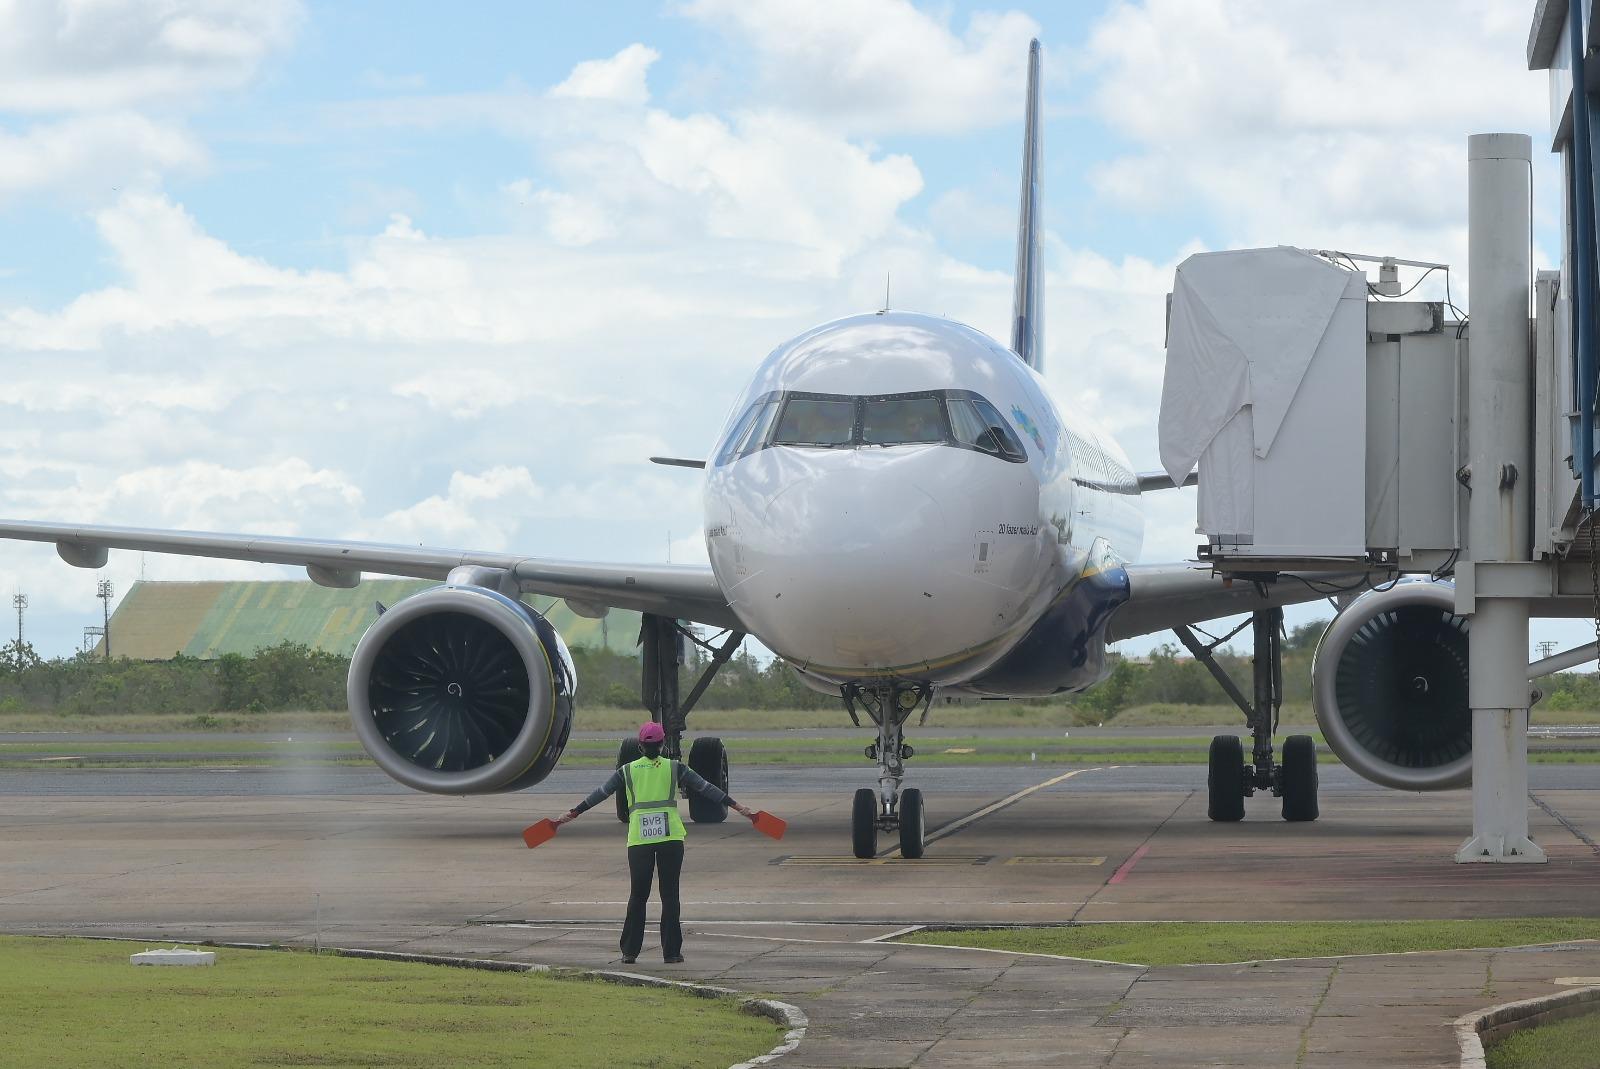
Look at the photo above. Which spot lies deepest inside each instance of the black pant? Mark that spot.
(642, 860)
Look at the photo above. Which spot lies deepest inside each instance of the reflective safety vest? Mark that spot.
(652, 793)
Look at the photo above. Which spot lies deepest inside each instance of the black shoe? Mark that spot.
(630, 961)
(676, 959)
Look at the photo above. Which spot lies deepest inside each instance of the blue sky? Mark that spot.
(413, 272)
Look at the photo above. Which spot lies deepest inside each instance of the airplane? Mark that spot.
(900, 508)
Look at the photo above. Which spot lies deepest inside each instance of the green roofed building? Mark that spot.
(156, 621)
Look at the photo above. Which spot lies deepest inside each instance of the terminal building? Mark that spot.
(157, 621)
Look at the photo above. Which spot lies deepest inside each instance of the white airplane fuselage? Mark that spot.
(980, 563)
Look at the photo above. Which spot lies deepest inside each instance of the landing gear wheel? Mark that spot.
(1226, 779)
(1299, 778)
(911, 823)
(709, 758)
(864, 824)
(629, 752)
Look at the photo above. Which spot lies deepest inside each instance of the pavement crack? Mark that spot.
(1316, 1008)
(1577, 832)
(1142, 843)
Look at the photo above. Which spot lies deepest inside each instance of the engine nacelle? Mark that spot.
(462, 690)
(1389, 685)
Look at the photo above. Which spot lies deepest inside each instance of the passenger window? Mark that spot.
(902, 421)
(814, 421)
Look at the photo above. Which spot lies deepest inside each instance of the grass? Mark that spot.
(1186, 943)
(1569, 1044)
(607, 718)
(79, 1002)
(935, 750)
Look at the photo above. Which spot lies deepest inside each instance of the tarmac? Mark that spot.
(329, 854)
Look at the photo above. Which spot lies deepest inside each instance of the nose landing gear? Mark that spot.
(888, 808)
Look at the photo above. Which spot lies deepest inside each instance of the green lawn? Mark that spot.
(975, 748)
(1296, 718)
(74, 1002)
(1569, 1044)
(1193, 943)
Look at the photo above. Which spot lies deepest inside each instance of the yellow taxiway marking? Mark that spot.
(1024, 860)
(994, 807)
(846, 859)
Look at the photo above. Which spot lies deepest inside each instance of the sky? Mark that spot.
(448, 274)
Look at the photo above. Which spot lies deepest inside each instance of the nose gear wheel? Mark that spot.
(888, 706)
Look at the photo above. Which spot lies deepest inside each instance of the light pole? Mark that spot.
(104, 592)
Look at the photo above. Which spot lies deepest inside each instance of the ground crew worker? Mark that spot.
(655, 836)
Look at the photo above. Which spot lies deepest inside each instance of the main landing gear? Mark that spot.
(888, 808)
(1231, 779)
(663, 643)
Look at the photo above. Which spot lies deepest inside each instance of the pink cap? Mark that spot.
(652, 732)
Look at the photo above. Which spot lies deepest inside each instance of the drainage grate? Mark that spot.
(1062, 860)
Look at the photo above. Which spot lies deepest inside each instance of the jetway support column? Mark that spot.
(1500, 452)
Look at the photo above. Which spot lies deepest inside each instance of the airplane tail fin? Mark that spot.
(1027, 314)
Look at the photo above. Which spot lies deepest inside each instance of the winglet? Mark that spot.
(1027, 312)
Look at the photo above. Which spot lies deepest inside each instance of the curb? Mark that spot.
(1497, 1022)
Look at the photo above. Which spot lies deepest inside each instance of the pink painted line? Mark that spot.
(1127, 866)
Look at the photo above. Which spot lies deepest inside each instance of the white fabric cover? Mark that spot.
(1243, 328)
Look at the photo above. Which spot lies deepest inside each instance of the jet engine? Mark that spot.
(462, 690)
(1389, 685)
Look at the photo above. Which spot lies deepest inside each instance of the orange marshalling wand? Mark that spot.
(540, 833)
(768, 824)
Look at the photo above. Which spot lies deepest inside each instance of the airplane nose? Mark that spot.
(852, 519)
(850, 572)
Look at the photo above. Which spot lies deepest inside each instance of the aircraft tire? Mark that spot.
(1300, 778)
(629, 752)
(709, 758)
(912, 824)
(864, 824)
(1225, 781)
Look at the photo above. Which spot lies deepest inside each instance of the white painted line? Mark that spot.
(895, 934)
(994, 807)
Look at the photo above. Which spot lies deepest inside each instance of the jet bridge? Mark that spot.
(1339, 428)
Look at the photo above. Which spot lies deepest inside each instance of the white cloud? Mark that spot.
(83, 55)
(620, 78)
(881, 66)
(647, 177)
(91, 156)
(1317, 126)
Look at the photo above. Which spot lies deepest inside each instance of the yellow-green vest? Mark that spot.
(652, 792)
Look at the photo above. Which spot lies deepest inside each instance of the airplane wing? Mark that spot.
(1162, 596)
(688, 592)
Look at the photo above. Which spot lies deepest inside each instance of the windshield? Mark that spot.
(813, 421)
(901, 420)
(958, 418)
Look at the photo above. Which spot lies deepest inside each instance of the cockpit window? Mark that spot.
(978, 426)
(958, 418)
(902, 420)
(817, 421)
(750, 433)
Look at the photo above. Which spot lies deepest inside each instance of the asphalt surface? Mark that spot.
(346, 858)
(749, 783)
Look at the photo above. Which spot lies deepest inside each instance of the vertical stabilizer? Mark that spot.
(1027, 313)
